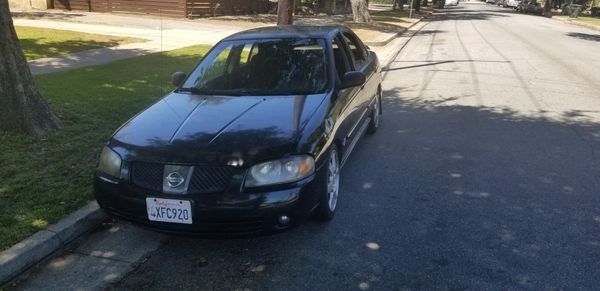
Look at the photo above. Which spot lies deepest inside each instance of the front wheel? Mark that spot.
(329, 195)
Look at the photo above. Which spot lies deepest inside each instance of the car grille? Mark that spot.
(204, 179)
(210, 179)
(148, 175)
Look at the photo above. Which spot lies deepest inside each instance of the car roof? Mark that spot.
(288, 31)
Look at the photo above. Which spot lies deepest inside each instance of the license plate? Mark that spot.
(169, 210)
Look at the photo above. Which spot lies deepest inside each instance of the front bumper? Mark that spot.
(233, 212)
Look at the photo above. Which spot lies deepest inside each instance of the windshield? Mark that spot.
(262, 67)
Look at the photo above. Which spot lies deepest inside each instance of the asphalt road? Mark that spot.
(484, 175)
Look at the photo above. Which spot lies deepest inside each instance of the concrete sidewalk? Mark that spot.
(93, 262)
(159, 39)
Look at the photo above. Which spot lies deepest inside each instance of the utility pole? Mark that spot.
(285, 12)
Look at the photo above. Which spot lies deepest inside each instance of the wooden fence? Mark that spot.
(168, 8)
(203, 8)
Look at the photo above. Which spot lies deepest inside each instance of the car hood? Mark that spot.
(183, 128)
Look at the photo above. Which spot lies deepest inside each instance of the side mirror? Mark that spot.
(178, 78)
(353, 79)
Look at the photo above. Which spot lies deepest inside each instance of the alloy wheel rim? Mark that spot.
(333, 181)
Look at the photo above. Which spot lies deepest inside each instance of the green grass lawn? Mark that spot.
(581, 19)
(589, 20)
(42, 181)
(43, 43)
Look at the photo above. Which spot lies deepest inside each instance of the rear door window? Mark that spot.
(342, 64)
(357, 50)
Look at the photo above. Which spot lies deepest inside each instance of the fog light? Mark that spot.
(284, 220)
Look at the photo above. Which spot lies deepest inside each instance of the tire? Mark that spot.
(375, 115)
(331, 187)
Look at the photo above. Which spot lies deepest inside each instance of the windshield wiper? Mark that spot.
(240, 92)
(199, 91)
(230, 92)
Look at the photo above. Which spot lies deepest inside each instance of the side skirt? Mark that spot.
(358, 135)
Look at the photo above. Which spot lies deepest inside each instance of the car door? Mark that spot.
(372, 70)
(364, 62)
(347, 117)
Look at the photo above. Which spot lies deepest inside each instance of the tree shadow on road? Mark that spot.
(585, 36)
(499, 194)
(442, 197)
(464, 10)
(466, 14)
(429, 31)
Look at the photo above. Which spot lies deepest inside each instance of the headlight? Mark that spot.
(280, 171)
(110, 162)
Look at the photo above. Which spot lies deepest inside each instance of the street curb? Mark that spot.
(32, 250)
(389, 39)
(393, 36)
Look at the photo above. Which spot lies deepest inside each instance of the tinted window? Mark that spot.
(357, 49)
(262, 67)
(341, 61)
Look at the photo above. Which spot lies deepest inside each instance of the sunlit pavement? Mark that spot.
(156, 39)
(484, 175)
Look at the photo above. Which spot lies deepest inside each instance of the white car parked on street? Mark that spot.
(511, 3)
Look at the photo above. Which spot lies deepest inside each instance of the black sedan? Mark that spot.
(252, 140)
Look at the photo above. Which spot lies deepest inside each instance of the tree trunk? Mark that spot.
(298, 6)
(548, 8)
(22, 108)
(360, 11)
(425, 3)
(327, 6)
(417, 5)
(285, 12)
